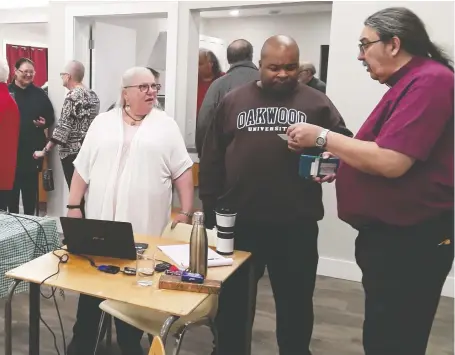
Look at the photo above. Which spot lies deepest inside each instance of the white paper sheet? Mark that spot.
(180, 254)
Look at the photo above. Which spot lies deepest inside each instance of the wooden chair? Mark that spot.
(157, 347)
(182, 232)
(151, 321)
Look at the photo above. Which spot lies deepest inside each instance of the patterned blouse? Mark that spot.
(80, 107)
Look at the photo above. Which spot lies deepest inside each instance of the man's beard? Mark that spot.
(280, 90)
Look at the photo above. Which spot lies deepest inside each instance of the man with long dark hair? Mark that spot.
(395, 182)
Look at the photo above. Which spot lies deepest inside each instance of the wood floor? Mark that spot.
(338, 308)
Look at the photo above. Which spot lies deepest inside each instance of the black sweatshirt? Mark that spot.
(247, 167)
(32, 103)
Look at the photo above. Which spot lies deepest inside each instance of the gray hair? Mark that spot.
(408, 27)
(128, 79)
(4, 71)
(77, 70)
(307, 66)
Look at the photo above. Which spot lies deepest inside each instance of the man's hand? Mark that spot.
(74, 213)
(328, 178)
(303, 135)
(39, 122)
(180, 218)
(39, 154)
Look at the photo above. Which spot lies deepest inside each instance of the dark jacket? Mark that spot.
(238, 74)
(317, 84)
(33, 103)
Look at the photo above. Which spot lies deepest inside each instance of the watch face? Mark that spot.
(320, 141)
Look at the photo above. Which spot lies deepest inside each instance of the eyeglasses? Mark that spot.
(31, 72)
(146, 87)
(363, 45)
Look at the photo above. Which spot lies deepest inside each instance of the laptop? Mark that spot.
(99, 238)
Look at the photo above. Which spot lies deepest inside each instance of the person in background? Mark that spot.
(307, 73)
(129, 161)
(395, 182)
(247, 167)
(156, 74)
(37, 114)
(80, 107)
(209, 71)
(241, 71)
(9, 137)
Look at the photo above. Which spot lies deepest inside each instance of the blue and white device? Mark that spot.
(311, 166)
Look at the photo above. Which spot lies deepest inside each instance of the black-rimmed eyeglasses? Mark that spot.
(365, 44)
(146, 87)
(26, 72)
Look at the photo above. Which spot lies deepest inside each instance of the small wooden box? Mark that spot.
(171, 282)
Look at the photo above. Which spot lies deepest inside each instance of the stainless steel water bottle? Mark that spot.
(198, 246)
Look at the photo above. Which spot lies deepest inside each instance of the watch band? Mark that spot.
(73, 207)
(188, 214)
(321, 140)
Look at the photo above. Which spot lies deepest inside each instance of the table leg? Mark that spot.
(34, 319)
(166, 327)
(9, 318)
(252, 291)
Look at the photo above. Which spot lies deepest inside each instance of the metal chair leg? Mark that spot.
(179, 338)
(214, 331)
(167, 327)
(100, 331)
(108, 333)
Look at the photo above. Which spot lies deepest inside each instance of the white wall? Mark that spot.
(355, 95)
(147, 31)
(31, 34)
(309, 30)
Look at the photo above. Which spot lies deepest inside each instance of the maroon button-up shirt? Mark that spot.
(416, 118)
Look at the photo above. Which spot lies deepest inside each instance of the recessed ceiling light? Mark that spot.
(234, 12)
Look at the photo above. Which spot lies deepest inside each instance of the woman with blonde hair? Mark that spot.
(129, 161)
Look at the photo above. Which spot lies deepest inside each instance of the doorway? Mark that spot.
(324, 63)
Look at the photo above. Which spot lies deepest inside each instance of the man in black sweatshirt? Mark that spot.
(247, 167)
(37, 114)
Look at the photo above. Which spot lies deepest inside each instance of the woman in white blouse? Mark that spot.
(129, 161)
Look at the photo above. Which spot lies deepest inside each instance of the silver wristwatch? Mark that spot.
(321, 140)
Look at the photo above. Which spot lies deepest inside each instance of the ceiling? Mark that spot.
(277, 10)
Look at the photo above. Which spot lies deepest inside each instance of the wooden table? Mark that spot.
(79, 276)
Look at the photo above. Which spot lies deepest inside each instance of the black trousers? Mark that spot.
(68, 171)
(404, 271)
(85, 330)
(290, 253)
(25, 183)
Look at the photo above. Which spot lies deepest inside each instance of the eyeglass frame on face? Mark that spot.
(363, 45)
(145, 88)
(31, 73)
